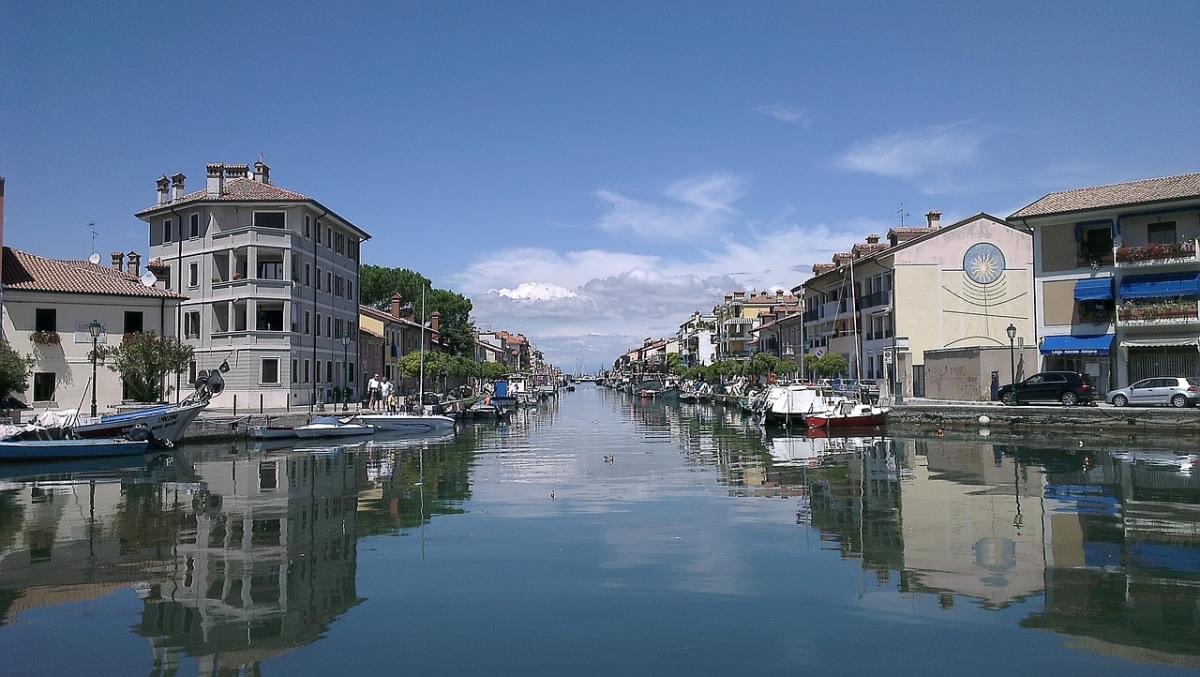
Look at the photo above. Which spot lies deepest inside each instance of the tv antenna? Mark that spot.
(94, 258)
(903, 214)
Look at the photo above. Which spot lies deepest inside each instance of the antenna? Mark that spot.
(94, 258)
(903, 214)
(148, 278)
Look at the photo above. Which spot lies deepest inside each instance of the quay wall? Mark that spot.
(1091, 420)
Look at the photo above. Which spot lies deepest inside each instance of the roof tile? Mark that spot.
(1180, 187)
(31, 272)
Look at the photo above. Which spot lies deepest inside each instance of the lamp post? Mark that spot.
(1012, 355)
(94, 328)
(345, 370)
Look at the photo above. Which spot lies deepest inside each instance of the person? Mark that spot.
(373, 393)
(388, 392)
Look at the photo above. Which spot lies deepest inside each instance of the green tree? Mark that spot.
(14, 370)
(143, 359)
(492, 371)
(830, 365)
(454, 311)
(377, 284)
(674, 366)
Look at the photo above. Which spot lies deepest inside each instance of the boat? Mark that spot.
(328, 426)
(270, 432)
(44, 450)
(166, 422)
(409, 424)
(849, 414)
(793, 402)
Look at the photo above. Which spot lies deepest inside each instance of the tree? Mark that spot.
(377, 284)
(492, 371)
(674, 366)
(14, 370)
(454, 311)
(143, 359)
(830, 365)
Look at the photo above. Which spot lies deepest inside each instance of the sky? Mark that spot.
(591, 173)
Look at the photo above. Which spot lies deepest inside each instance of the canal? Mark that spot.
(600, 534)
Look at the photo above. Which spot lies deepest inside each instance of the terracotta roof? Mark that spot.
(30, 272)
(236, 190)
(819, 268)
(1184, 186)
(771, 298)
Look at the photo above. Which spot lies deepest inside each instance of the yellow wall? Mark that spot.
(1059, 251)
(1058, 302)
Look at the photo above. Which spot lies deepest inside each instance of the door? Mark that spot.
(1032, 388)
(1161, 390)
(1054, 386)
(1140, 392)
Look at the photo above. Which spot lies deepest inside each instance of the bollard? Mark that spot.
(260, 403)
(235, 405)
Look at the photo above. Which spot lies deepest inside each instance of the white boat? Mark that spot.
(794, 402)
(267, 432)
(328, 426)
(409, 424)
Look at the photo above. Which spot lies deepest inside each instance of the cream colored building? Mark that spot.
(48, 306)
(739, 315)
(922, 289)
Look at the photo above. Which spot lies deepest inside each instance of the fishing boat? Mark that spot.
(166, 422)
(44, 450)
(849, 414)
(328, 426)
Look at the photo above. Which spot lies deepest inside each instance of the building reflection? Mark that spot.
(264, 559)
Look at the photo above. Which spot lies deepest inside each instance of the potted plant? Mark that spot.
(46, 338)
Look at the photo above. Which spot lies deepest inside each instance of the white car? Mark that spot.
(1177, 392)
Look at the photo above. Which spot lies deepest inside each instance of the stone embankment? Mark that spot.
(928, 415)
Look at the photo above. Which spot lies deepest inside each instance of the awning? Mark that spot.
(1094, 289)
(1077, 345)
(1162, 342)
(1167, 285)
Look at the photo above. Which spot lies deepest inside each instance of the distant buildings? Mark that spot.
(271, 279)
(48, 307)
(697, 340)
(739, 315)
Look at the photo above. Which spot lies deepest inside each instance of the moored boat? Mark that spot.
(42, 450)
(849, 414)
(328, 426)
(266, 432)
(408, 424)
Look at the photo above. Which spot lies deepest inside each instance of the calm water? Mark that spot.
(700, 548)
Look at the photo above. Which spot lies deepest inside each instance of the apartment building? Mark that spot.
(697, 340)
(271, 277)
(738, 316)
(401, 334)
(1118, 279)
(885, 303)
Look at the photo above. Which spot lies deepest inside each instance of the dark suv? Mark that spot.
(1068, 387)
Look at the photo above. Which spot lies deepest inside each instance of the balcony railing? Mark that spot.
(1156, 254)
(879, 298)
(811, 315)
(1158, 314)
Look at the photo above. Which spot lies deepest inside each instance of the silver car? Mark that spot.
(1177, 392)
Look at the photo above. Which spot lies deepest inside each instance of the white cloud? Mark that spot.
(534, 291)
(785, 113)
(915, 153)
(699, 205)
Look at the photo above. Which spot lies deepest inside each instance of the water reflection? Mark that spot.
(238, 555)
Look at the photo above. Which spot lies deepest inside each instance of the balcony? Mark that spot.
(811, 315)
(879, 298)
(1156, 254)
(1158, 314)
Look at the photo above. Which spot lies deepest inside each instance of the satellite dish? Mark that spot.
(94, 259)
(148, 278)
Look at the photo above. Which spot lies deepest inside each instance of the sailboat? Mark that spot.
(421, 423)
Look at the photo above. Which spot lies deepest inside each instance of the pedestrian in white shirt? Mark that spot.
(373, 392)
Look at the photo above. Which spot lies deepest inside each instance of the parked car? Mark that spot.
(1067, 387)
(1175, 391)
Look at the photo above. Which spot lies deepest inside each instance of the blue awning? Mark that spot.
(1164, 286)
(1094, 289)
(1077, 345)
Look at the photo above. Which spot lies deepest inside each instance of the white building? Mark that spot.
(271, 277)
(48, 305)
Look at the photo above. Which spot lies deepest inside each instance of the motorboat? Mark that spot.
(268, 432)
(849, 414)
(794, 403)
(43, 450)
(328, 426)
(409, 424)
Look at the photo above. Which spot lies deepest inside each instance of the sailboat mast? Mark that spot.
(854, 325)
(421, 359)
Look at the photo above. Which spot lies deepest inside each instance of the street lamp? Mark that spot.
(1012, 359)
(345, 370)
(95, 328)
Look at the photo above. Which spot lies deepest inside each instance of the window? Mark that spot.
(295, 325)
(1095, 243)
(45, 319)
(306, 325)
(191, 324)
(329, 238)
(193, 275)
(339, 243)
(306, 371)
(337, 328)
(43, 387)
(1161, 233)
(269, 318)
(318, 329)
(318, 232)
(268, 478)
(329, 281)
(318, 279)
(295, 269)
(307, 277)
(194, 230)
(295, 371)
(133, 321)
(338, 285)
(165, 278)
(329, 326)
(352, 372)
(270, 270)
(192, 371)
(270, 370)
(270, 219)
(166, 225)
(307, 230)
(329, 371)
(349, 290)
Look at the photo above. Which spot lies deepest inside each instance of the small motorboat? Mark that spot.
(410, 424)
(328, 426)
(43, 450)
(268, 432)
(849, 414)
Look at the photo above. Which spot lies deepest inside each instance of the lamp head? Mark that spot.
(95, 329)
(1012, 332)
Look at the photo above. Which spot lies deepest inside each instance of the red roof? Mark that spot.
(30, 272)
(236, 190)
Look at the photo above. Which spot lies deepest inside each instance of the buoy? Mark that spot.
(985, 432)
(984, 419)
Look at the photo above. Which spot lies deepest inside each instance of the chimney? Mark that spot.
(160, 186)
(933, 218)
(134, 265)
(396, 305)
(872, 239)
(262, 173)
(435, 322)
(739, 295)
(118, 261)
(216, 178)
(237, 171)
(177, 191)
(778, 294)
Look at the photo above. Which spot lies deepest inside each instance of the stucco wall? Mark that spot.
(966, 374)
(1059, 251)
(1058, 303)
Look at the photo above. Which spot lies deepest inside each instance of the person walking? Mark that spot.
(373, 393)
(388, 392)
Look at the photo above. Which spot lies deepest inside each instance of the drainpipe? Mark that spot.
(316, 328)
(178, 226)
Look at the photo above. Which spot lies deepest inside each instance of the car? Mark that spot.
(1171, 390)
(1068, 387)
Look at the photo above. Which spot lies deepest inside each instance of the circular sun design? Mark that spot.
(983, 263)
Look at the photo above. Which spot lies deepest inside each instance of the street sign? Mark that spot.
(887, 357)
(819, 352)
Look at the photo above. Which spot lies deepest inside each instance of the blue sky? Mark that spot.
(590, 172)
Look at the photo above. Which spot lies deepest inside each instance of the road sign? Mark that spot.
(887, 357)
(819, 352)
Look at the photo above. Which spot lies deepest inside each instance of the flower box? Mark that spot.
(1186, 310)
(46, 338)
(1156, 252)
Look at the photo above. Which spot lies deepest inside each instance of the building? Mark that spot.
(739, 314)
(1118, 279)
(271, 277)
(922, 289)
(781, 334)
(401, 335)
(48, 307)
(697, 340)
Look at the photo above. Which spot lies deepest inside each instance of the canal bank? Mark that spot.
(931, 415)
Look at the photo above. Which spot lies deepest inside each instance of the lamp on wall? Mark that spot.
(1012, 358)
(95, 329)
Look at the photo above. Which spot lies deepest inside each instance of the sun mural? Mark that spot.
(983, 290)
(983, 263)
